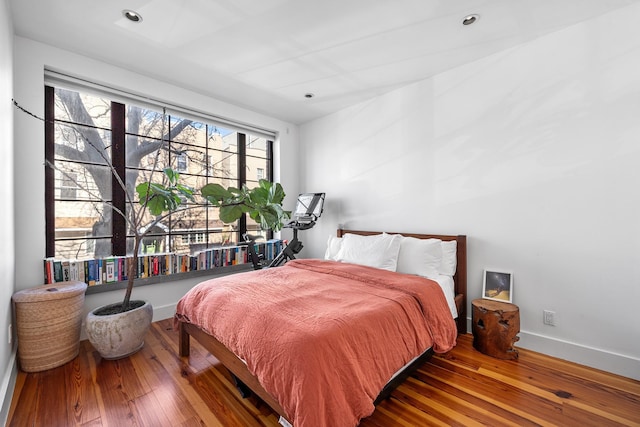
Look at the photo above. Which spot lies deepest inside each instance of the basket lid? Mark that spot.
(60, 290)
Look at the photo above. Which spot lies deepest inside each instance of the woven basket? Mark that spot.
(48, 320)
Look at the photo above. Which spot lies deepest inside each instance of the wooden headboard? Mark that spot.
(460, 278)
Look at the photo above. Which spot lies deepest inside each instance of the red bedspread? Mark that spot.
(322, 337)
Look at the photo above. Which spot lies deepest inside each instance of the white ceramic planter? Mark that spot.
(119, 335)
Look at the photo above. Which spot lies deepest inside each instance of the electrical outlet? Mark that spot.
(549, 317)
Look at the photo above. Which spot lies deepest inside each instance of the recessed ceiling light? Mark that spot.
(132, 16)
(470, 19)
(309, 95)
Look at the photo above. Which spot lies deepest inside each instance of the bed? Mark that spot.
(349, 306)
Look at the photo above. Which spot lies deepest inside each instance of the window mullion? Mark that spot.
(118, 159)
(49, 172)
(269, 174)
(242, 177)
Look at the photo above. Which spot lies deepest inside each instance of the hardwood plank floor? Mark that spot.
(155, 387)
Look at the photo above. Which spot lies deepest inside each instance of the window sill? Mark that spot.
(212, 273)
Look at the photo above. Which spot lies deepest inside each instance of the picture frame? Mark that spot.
(497, 285)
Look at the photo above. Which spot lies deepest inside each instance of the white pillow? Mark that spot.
(333, 247)
(448, 287)
(380, 250)
(449, 260)
(420, 256)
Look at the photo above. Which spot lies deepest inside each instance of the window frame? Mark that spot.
(118, 154)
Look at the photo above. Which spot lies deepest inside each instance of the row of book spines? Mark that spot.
(115, 269)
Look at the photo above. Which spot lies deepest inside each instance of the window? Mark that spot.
(181, 160)
(194, 238)
(68, 187)
(86, 134)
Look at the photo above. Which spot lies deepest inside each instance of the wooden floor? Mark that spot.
(155, 387)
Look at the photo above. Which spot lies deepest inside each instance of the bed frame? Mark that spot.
(246, 380)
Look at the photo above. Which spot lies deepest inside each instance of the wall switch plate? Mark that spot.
(549, 317)
(10, 332)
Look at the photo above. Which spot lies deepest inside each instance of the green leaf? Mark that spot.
(269, 218)
(215, 193)
(259, 195)
(278, 194)
(156, 205)
(236, 191)
(230, 214)
(159, 189)
(142, 190)
(185, 191)
(172, 175)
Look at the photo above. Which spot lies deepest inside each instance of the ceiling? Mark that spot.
(267, 54)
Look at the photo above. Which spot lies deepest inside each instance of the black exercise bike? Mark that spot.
(308, 209)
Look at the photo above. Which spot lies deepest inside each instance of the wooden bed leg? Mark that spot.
(184, 345)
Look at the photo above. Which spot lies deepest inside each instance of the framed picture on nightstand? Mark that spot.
(497, 285)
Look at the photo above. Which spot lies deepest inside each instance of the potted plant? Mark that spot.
(117, 330)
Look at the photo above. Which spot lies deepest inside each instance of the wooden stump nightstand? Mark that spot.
(495, 328)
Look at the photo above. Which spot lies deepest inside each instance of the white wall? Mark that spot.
(534, 154)
(7, 353)
(30, 60)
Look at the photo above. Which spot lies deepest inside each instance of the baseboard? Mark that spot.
(597, 358)
(7, 386)
(164, 312)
